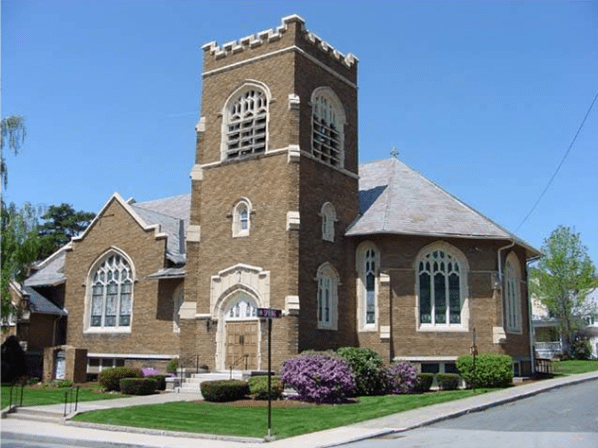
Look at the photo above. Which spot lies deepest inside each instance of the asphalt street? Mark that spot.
(560, 418)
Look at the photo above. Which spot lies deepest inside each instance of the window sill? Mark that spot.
(100, 330)
(443, 328)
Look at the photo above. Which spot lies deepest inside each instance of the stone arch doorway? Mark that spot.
(240, 334)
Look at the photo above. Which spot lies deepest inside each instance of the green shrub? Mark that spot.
(258, 387)
(110, 378)
(368, 370)
(137, 386)
(160, 381)
(424, 382)
(172, 366)
(448, 381)
(64, 383)
(581, 350)
(224, 390)
(491, 370)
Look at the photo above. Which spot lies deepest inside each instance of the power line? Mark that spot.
(561, 163)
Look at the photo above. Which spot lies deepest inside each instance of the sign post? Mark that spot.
(474, 352)
(269, 313)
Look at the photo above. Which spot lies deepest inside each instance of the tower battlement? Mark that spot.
(274, 34)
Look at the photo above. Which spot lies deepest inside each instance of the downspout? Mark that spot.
(530, 317)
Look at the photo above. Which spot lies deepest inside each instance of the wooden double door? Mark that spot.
(241, 345)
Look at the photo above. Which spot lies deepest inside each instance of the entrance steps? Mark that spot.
(32, 414)
(190, 383)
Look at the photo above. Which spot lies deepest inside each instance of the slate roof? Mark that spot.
(172, 214)
(39, 304)
(50, 271)
(394, 199)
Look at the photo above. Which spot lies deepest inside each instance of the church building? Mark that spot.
(281, 215)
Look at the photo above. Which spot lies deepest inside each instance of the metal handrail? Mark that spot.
(244, 357)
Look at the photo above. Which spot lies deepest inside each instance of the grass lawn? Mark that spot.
(34, 395)
(229, 419)
(574, 366)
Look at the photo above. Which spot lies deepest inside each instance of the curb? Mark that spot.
(161, 432)
(498, 402)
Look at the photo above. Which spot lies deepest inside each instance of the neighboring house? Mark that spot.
(547, 340)
(590, 330)
(40, 324)
(281, 215)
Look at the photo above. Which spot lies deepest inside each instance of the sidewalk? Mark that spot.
(93, 436)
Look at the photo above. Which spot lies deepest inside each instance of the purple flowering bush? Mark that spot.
(318, 378)
(402, 378)
(147, 371)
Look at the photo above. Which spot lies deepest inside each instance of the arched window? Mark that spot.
(328, 215)
(328, 122)
(328, 281)
(441, 274)
(111, 284)
(513, 294)
(178, 297)
(245, 123)
(242, 218)
(368, 266)
(241, 309)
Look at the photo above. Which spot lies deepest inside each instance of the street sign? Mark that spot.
(268, 313)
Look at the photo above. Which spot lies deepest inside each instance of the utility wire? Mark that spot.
(561, 163)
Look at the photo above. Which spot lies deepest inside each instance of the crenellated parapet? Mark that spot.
(273, 35)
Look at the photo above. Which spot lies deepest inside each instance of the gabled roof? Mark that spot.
(394, 199)
(50, 271)
(39, 304)
(168, 218)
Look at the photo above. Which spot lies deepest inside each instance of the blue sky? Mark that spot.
(482, 98)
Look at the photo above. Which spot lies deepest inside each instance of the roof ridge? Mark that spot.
(162, 199)
(388, 195)
(157, 213)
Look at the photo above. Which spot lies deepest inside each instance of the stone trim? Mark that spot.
(188, 310)
(277, 52)
(132, 355)
(197, 172)
(292, 305)
(293, 220)
(193, 233)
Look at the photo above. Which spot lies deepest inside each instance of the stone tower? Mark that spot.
(274, 186)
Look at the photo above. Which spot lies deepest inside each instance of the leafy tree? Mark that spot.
(62, 223)
(13, 135)
(562, 280)
(20, 246)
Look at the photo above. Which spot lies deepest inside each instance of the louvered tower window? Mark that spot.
(246, 124)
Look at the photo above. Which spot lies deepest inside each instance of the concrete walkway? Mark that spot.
(102, 436)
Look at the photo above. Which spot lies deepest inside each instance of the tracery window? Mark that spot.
(242, 309)
(328, 121)
(368, 261)
(441, 294)
(327, 297)
(246, 123)
(111, 293)
(513, 294)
